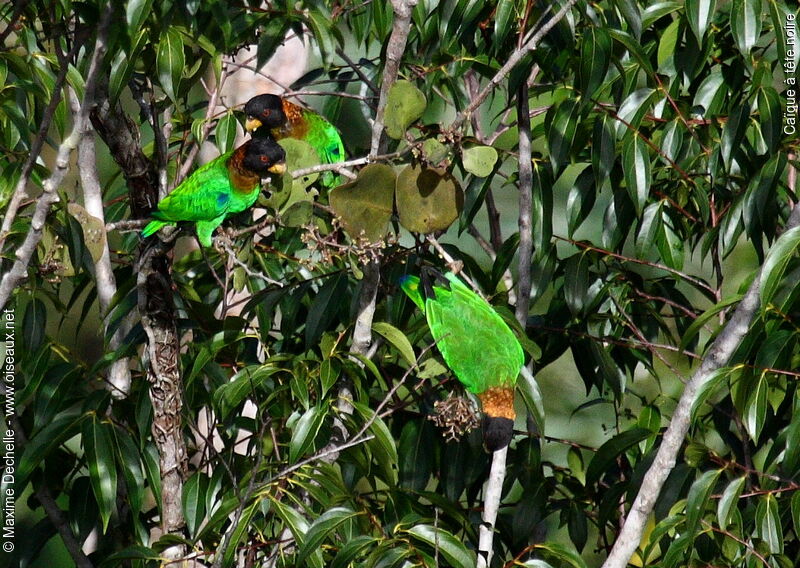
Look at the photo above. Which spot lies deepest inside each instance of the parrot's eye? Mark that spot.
(266, 113)
(264, 159)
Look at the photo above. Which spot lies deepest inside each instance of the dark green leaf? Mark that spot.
(607, 453)
(170, 62)
(699, 14)
(99, 444)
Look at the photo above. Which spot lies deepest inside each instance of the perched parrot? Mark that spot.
(476, 344)
(226, 185)
(282, 119)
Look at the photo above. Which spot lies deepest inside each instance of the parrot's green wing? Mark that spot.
(204, 196)
(410, 285)
(474, 340)
(324, 138)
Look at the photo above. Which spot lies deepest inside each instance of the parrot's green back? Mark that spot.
(474, 340)
(206, 197)
(307, 125)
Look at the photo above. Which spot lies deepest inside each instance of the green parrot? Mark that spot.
(282, 119)
(476, 344)
(226, 185)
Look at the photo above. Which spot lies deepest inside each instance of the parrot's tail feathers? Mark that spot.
(498, 425)
(497, 432)
(153, 226)
(410, 285)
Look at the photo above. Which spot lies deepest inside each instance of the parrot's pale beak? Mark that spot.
(252, 124)
(278, 168)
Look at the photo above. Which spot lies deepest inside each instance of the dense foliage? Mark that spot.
(663, 149)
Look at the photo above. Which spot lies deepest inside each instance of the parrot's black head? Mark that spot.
(264, 155)
(266, 111)
(497, 432)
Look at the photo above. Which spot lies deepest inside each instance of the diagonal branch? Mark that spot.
(717, 357)
(24, 254)
(512, 62)
(20, 191)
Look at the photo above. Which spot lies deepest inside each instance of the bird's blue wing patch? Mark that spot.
(222, 200)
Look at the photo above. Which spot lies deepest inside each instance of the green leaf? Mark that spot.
(775, 263)
(632, 111)
(770, 117)
(636, 168)
(305, 432)
(366, 203)
(708, 388)
(705, 317)
(746, 24)
(435, 153)
(325, 307)
(225, 132)
(194, 502)
(534, 402)
(321, 26)
(697, 499)
(382, 445)
(397, 338)
(320, 529)
(479, 160)
(711, 93)
(561, 124)
(415, 455)
(729, 501)
(699, 13)
(603, 149)
(170, 61)
(98, 442)
(428, 200)
(796, 511)
(768, 523)
(136, 12)
(136, 552)
(33, 324)
(608, 452)
(450, 547)
(405, 104)
(351, 549)
(733, 133)
(563, 556)
(245, 383)
(299, 156)
(755, 411)
(595, 60)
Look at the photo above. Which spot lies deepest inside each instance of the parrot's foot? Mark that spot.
(223, 240)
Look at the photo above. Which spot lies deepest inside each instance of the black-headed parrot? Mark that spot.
(476, 344)
(270, 115)
(226, 185)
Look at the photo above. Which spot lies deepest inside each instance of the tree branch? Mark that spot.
(717, 357)
(24, 254)
(525, 205)
(512, 62)
(394, 53)
(491, 504)
(119, 375)
(20, 190)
